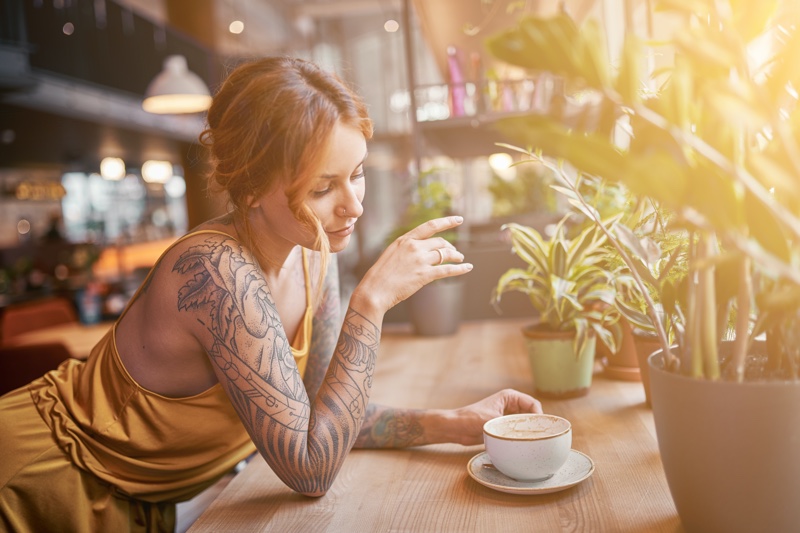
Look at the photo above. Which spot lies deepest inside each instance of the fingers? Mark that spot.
(441, 256)
(432, 227)
(446, 254)
(518, 402)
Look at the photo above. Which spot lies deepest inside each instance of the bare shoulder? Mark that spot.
(166, 331)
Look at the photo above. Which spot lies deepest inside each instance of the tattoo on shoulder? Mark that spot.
(249, 346)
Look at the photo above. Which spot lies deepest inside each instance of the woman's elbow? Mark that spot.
(314, 489)
(314, 494)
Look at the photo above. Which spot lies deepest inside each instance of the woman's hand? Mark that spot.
(468, 421)
(387, 427)
(410, 262)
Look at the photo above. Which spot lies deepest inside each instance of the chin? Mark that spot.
(337, 245)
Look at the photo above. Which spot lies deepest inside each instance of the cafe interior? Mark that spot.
(101, 106)
(95, 186)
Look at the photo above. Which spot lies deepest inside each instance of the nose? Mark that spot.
(352, 203)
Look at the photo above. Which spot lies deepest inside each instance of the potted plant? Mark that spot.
(435, 309)
(641, 222)
(573, 292)
(644, 240)
(716, 143)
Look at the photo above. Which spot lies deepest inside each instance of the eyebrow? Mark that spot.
(332, 176)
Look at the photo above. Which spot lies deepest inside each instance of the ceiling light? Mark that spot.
(391, 26)
(236, 27)
(156, 171)
(176, 89)
(112, 168)
(500, 161)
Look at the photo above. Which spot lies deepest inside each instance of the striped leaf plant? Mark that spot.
(567, 281)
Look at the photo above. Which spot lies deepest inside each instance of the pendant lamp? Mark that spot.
(176, 89)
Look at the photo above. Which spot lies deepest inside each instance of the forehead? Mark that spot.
(346, 149)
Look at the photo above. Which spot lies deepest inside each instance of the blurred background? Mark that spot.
(93, 187)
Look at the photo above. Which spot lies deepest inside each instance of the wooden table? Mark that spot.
(428, 489)
(79, 338)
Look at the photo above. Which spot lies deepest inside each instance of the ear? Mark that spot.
(252, 201)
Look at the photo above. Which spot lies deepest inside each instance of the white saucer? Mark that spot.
(577, 468)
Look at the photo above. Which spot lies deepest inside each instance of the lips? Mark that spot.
(343, 232)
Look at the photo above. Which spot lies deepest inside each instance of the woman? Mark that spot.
(234, 342)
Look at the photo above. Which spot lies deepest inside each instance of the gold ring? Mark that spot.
(441, 256)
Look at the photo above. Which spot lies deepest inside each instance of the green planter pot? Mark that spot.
(557, 371)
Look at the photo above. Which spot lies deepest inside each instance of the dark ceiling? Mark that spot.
(35, 137)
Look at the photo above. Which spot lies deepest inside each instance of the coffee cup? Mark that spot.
(528, 447)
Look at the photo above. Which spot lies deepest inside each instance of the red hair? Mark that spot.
(269, 125)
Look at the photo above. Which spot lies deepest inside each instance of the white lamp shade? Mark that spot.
(176, 89)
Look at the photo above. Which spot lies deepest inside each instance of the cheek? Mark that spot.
(361, 187)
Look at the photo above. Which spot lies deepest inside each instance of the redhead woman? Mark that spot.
(234, 343)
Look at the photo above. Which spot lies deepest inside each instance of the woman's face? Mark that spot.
(337, 191)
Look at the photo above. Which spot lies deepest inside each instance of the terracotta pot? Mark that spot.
(645, 346)
(624, 363)
(729, 450)
(557, 371)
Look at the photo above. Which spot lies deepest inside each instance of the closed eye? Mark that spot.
(322, 192)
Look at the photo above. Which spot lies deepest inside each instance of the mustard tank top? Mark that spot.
(148, 446)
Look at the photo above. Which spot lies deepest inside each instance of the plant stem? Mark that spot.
(669, 358)
(693, 315)
(707, 312)
(740, 343)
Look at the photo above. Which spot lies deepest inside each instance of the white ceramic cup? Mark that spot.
(528, 447)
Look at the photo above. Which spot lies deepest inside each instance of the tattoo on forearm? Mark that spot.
(350, 375)
(327, 326)
(250, 347)
(390, 428)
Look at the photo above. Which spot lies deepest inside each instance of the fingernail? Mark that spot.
(459, 219)
(468, 265)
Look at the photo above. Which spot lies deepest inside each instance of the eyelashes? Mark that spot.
(323, 192)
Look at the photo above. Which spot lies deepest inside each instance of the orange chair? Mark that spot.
(22, 318)
(19, 365)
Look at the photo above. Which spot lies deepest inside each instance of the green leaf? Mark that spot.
(660, 176)
(774, 170)
(685, 7)
(582, 332)
(711, 51)
(558, 258)
(593, 64)
(737, 103)
(605, 336)
(629, 78)
(529, 246)
(634, 316)
(750, 18)
(765, 228)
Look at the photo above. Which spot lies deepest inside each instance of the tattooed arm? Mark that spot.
(236, 321)
(238, 324)
(386, 427)
(324, 332)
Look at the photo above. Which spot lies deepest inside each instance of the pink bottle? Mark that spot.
(458, 91)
